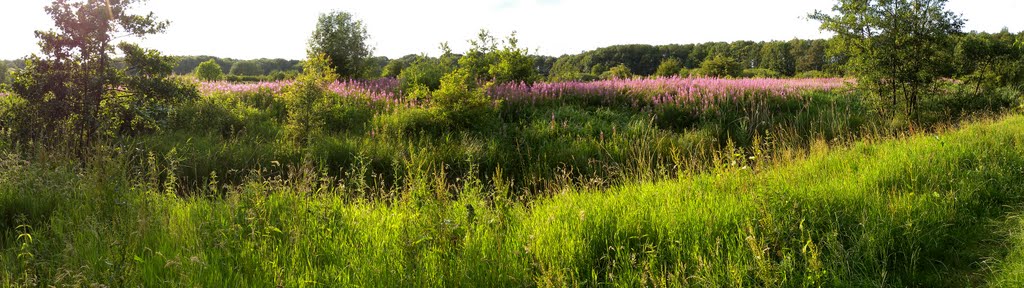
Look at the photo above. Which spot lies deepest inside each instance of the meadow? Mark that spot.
(538, 136)
(624, 182)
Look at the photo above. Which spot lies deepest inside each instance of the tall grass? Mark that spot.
(593, 132)
(916, 211)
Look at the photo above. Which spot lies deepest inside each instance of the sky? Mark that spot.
(248, 29)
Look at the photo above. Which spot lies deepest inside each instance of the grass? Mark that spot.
(924, 210)
(580, 138)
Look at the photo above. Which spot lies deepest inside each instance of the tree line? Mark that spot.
(85, 85)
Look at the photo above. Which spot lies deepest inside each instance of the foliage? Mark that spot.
(776, 56)
(989, 62)
(424, 72)
(480, 57)
(343, 39)
(394, 68)
(76, 82)
(307, 98)
(721, 66)
(209, 71)
(188, 64)
(374, 67)
(461, 101)
(763, 73)
(831, 216)
(246, 68)
(618, 72)
(4, 72)
(669, 67)
(895, 47)
(812, 74)
(511, 64)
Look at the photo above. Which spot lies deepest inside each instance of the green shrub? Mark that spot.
(669, 67)
(422, 72)
(575, 76)
(206, 115)
(512, 64)
(683, 72)
(760, 73)
(410, 121)
(618, 72)
(813, 74)
(209, 71)
(721, 66)
(246, 68)
(461, 102)
(308, 98)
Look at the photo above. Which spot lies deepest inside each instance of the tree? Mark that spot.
(775, 56)
(374, 67)
(721, 66)
(669, 67)
(894, 45)
(987, 61)
(618, 72)
(425, 72)
(343, 39)
(3, 72)
(395, 66)
(512, 64)
(209, 71)
(75, 87)
(307, 99)
(460, 101)
(478, 59)
(246, 68)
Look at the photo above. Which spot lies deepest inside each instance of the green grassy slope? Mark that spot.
(922, 211)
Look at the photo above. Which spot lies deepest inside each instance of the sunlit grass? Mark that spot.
(904, 212)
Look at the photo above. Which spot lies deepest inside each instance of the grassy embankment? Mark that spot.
(926, 210)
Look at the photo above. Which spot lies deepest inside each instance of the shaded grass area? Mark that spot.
(917, 211)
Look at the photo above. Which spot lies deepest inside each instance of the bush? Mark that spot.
(410, 121)
(813, 74)
(617, 72)
(721, 66)
(422, 72)
(760, 73)
(669, 67)
(307, 98)
(460, 102)
(209, 71)
(246, 68)
(512, 64)
(575, 76)
(683, 72)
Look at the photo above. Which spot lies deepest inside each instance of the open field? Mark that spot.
(923, 210)
(890, 154)
(667, 182)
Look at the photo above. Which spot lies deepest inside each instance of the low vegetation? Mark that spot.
(778, 164)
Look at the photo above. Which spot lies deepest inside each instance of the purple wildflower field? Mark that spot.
(658, 91)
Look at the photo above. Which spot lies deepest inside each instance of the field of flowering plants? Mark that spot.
(665, 181)
(656, 91)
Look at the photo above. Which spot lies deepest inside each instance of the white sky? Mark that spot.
(248, 29)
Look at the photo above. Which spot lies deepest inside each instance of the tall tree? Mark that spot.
(343, 39)
(894, 45)
(76, 80)
(775, 56)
